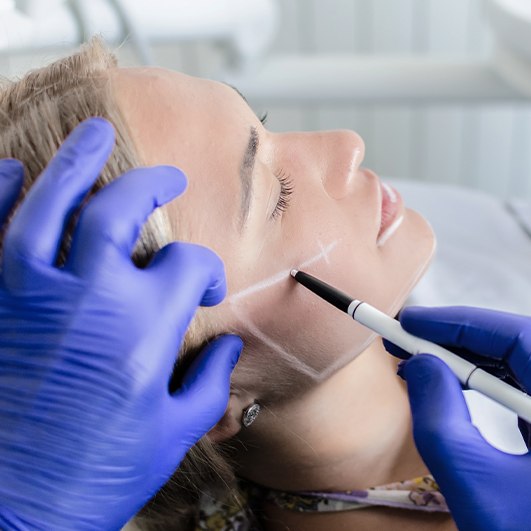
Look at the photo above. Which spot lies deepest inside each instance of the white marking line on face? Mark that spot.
(296, 363)
(275, 279)
(324, 252)
(390, 231)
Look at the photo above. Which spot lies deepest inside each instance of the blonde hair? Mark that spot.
(37, 112)
(40, 110)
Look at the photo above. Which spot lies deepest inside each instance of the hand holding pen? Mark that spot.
(469, 374)
(498, 342)
(485, 488)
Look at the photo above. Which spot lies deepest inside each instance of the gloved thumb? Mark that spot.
(205, 390)
(442, 427)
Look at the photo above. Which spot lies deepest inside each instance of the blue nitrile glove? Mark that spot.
(88, 429)
(485, 488)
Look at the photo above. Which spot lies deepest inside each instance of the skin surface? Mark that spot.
(335, 414)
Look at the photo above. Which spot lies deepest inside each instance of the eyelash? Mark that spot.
(286, 189)
(286, 185)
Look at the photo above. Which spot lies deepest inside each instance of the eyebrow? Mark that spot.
(237, 91)
(246, 168)
(246, 176)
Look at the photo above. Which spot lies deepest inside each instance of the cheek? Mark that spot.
(383, 276)
(292, 330)
(276, 361)
(295, 331)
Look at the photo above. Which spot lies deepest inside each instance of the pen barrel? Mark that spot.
(392, 330)
(467, 373)
(502, 393)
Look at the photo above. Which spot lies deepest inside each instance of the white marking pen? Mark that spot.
(468, 374)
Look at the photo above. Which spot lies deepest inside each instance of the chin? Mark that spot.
(425, 235)
(419, 242)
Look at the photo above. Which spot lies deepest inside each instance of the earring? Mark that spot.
(250, 413)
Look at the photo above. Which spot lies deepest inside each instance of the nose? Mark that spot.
(344, 152)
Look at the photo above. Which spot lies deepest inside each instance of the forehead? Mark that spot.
(173, 107)
(198, 125)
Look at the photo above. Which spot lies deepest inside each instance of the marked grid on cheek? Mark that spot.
(324, 251)
(298, 364)
(282, 275)
(293, 361)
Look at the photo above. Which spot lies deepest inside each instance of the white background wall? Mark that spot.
(483, 146)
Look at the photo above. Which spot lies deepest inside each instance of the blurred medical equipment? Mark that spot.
(484, 488)
(391, 79)
(511, 20)
(248, 28)
(87, 350)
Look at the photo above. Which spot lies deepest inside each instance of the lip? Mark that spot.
(390, 208)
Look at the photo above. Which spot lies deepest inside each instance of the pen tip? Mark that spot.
(293, 272)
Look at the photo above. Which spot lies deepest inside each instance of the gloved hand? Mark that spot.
(485, 489)
(88, 429)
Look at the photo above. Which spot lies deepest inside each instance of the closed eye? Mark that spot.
(286, 189)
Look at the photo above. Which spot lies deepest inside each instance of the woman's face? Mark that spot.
(269, 202)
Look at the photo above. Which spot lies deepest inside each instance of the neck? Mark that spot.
(352, 431)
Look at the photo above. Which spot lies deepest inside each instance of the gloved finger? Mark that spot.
(500, 335)
(11, 179)
(36, 231)
(182, 276)
(111, 222)
(525, 430)
(442, 427)
(484, 332)
(204, 394)
(200, 279)
(395, 350)
(494, 366)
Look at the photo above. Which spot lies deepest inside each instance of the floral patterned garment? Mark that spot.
(218, 516)
(418, 494)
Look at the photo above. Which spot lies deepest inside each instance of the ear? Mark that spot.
(231, 422)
